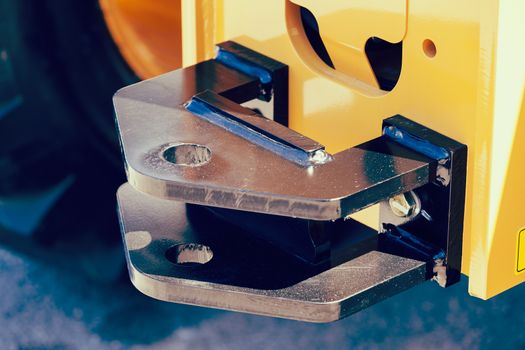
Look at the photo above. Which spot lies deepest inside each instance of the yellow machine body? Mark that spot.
(463, 74)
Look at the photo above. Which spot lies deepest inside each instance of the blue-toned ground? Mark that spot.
(47, 307)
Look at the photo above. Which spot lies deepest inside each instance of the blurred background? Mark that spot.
(63, 280)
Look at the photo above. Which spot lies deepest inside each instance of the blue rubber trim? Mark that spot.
(415, 143)
(411, 241)
(223, 119)
(232, 61)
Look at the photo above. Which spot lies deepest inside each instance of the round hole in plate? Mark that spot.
(189, 254)
(429, 48)
(187, 154)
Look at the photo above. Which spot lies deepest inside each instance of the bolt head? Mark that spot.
(403, 205)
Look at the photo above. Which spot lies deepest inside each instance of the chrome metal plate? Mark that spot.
(244, 274)
(240, 174)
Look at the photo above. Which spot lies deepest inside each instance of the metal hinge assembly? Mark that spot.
(227, 208)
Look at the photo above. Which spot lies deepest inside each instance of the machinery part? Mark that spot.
(442, 200)
(272, 222)
(247, 275)
(348, 185)
(65, 64)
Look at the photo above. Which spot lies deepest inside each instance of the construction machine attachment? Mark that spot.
(227, 208)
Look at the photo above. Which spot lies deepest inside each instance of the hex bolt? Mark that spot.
(405, 204)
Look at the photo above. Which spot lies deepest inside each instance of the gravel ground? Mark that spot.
(46, 307)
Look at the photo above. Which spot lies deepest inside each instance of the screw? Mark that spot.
(405, 204)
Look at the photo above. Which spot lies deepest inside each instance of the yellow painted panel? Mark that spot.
(345, 39)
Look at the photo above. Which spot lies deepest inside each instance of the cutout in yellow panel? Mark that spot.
(520, 254)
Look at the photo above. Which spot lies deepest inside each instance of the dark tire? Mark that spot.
(58, 71)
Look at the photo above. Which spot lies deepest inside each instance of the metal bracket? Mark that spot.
(268, 230)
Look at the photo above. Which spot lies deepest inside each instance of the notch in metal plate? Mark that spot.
(267, 230)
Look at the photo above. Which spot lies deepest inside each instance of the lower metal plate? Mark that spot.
(244, 274)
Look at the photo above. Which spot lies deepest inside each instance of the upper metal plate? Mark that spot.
(240, 174)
